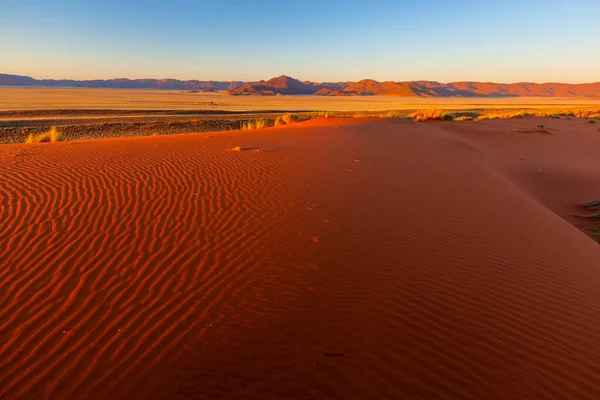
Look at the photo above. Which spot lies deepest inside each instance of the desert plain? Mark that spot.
(346, 256)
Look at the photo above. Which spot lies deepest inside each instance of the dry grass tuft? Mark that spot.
(323, 114)
(394, 114)
(256, 124)
(543, 112)
(286, 119)
(463, 118)
(432, 114)
(53, 135)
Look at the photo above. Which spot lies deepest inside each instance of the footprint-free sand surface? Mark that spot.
(334, 258)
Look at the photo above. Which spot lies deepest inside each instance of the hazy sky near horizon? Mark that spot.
(326, 40)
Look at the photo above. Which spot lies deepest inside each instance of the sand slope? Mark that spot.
(328, 259)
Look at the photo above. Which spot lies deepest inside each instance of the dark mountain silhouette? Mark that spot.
(119, 83)
(367, 87)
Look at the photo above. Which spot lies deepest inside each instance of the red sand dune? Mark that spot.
(356, 259)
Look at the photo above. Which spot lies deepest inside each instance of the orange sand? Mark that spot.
(329, 259)
(14, 98)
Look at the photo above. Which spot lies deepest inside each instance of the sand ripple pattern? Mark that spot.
(113, 255)
(359, 259)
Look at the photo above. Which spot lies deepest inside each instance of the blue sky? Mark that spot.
(327, 40)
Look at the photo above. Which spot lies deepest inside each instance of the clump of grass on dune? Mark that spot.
(506, 114)
(255, 124)
(463, 118)
(396, 114)
(286, 119)
(52, 135)
(324, 114)
(432, 114)
(588, 113)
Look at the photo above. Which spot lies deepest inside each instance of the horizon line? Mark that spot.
(305, 80)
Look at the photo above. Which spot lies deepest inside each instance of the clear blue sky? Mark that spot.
(326, 40)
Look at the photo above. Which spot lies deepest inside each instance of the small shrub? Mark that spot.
(53, 135)
(541, 126)
(591, 121)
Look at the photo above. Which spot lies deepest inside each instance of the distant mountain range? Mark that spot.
(120, 83)
(370, 87)
(285, 85)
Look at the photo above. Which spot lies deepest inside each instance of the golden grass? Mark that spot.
(543, 112)
(589, 114)
(481, 114)
(52, 135)
(394, 114)
(325, 114)
(257, 123)
(286, 119)
(431, 114)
